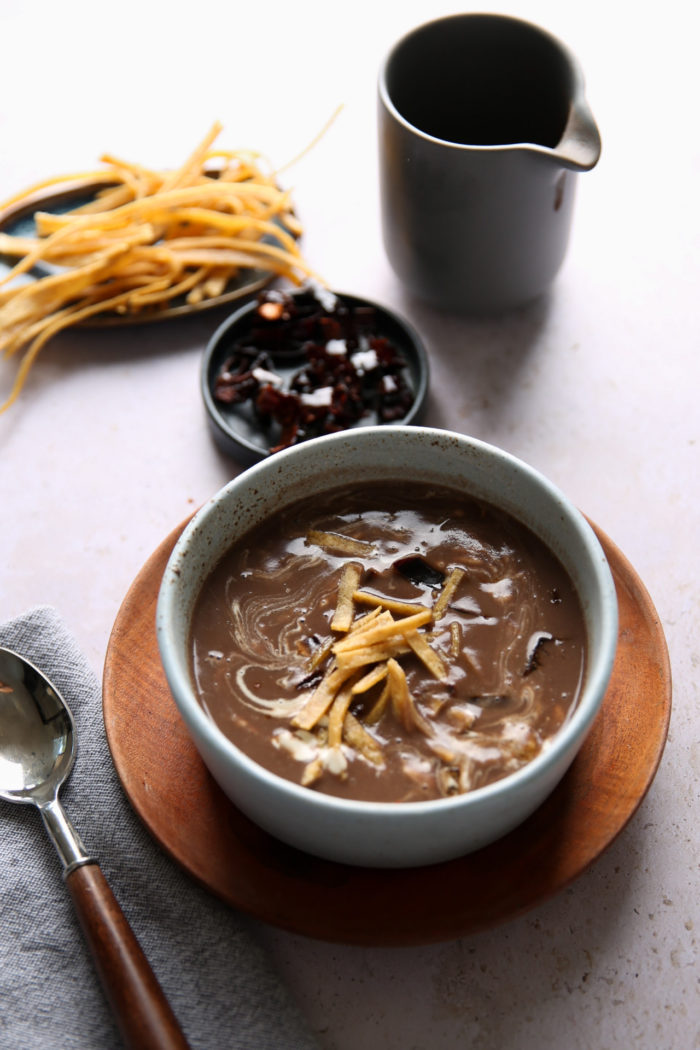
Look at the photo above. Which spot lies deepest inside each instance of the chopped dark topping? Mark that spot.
(419, 571)
(240, 378)
(309, 680)
(347, 370)
(534, 650)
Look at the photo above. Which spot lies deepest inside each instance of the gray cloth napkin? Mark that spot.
(217, 977)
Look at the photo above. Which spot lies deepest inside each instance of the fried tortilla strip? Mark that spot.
(362, 621)
(324, 650)
(449, 587)
(345, 606)
(89, 177)
(164, 289)
(252, 254)
(432, 660)
(320, 654)
(19, 246)
(195, 161)
(219, 223)
(339, 544)
(213, 284)
(54, 324)
(336, 716)
(381, 631)
(210, 193)
(392, 604)
(449, 757)
(377, 615)
(203, 226)
(402, 702)
(216, 283)
(380, 705)
(372, 678)
(354, 659)
(362, 631)
(312, 771)
(322, 697)
(58, 289)
(357, 737)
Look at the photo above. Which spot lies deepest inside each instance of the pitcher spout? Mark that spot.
(580, 145)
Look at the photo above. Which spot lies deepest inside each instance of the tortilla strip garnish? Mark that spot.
(446, 594)
(402, 701)
(372, 678)
(185, 233)
(354, 659)
(364, 620)
(312, 771)
(345, 606)
(336, 716)
(382, 630)
(357, 737)
(322, 697)
(392, 604)
(366, 656)
(424, 652)
(317, 657)
(335, 542)
(375, 713)
(370, 619)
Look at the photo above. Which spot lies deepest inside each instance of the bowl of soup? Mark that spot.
(388, 645)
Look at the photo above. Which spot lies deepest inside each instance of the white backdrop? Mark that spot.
(597, 386)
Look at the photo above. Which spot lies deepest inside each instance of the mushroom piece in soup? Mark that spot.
(389, 642)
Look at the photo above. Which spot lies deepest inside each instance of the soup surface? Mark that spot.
(389, 642)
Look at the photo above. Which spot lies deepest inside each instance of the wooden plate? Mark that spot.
(186, 812)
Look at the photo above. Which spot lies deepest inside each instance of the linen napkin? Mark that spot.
(219, 980)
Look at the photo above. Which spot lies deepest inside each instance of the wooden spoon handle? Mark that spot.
(140, 1007)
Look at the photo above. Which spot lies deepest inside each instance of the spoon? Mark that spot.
(37, 751)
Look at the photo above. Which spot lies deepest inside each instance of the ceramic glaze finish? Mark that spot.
(384, 834)
(477, 218)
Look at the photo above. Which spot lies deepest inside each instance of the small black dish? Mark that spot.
(239, 428)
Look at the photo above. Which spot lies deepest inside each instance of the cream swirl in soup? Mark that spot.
(389, 642)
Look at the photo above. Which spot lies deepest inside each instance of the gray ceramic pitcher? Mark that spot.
(483, 127)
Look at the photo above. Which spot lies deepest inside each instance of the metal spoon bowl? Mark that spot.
(37, 751)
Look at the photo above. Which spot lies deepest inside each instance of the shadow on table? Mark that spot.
(507, 988)
(477, 363)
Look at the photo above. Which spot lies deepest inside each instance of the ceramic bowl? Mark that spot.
(387, 834)
(239, 431)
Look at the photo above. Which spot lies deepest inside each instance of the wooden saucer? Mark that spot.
(186, 812)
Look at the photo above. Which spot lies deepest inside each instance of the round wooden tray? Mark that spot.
(187, 813)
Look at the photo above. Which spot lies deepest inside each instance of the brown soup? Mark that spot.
(390, 643)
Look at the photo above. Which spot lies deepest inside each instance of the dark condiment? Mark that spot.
(347, 369)
(419, 571)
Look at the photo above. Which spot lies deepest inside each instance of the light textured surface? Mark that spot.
(47, 983)
(597, 386)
